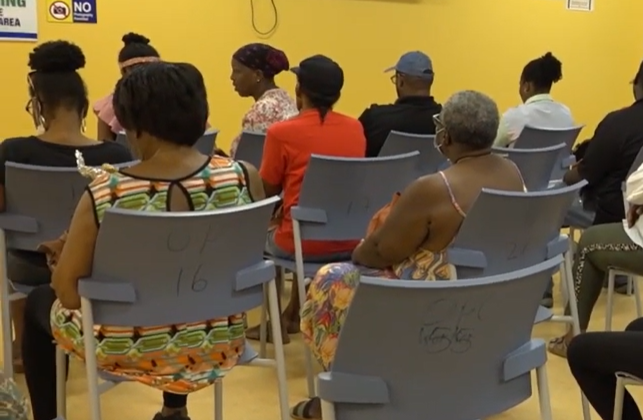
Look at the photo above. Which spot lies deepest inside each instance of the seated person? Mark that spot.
(414, 108)
(607, 161)
(136, 51)
(417, 228)
(254, 67)
(316, 130)
(58, 105)
(594, 359)
(603, 246)
(539, 108)
(163, 112)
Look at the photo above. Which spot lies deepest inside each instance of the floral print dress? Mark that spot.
(273, 106)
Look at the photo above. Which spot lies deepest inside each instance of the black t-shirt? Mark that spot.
(411, 114)
(608, 158)
(33, 151)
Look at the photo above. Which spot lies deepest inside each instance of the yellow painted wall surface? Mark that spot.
(475, 44)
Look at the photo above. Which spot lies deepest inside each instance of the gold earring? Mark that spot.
(83, 125)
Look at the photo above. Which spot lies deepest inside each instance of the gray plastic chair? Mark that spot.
(507, 231)
(39, 204)
(457, 364)
(534, 138)
(204, 145)
(199, 264)
(338, 198)
(250, 148)
(535, 165)
(431, 160)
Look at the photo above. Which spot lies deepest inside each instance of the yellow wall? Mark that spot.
(475, 44)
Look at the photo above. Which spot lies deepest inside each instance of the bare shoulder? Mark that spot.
(424, 187)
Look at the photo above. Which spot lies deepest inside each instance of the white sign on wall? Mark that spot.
(18, 20)
(582, 5)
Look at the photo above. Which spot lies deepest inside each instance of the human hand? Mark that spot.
(633, 214)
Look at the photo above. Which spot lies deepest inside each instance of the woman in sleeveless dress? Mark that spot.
(407, 239)
(163, 111)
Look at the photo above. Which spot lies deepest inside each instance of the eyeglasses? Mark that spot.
(394, 79)
(437, 121)
(29, 106)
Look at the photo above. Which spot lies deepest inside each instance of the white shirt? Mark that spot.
(539, 111)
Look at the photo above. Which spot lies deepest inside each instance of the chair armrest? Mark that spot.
(255, 275)
(106, 291)
(348, 388)
(524, 359)
(308, 215)
(558, 246)
(17, 223)
(469, 258)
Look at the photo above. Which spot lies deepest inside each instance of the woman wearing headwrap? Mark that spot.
(254, 68)
(136, 50)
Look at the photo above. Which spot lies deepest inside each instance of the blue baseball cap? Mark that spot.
(414, 63)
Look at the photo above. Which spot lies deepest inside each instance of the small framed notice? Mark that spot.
(582, 5)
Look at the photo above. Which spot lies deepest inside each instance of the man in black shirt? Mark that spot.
(414, 109)
(609, 156)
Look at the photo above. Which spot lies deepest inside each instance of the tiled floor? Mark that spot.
(250, 393)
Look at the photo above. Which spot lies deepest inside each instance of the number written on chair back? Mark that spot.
(358, 206)
(180, 241)
(450, 325)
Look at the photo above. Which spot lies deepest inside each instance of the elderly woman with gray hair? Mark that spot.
(407, 238)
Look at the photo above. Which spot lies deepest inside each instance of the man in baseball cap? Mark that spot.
(414, 108)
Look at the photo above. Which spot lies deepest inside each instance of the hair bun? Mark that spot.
(132, 38)
(56, 56)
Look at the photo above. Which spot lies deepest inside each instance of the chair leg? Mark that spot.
(7, 332)
(637, 296)
(61, 383)
(618, 398)
(328, 410)
(564, 290)
(572, 302)
(610, 300)
(275, 324)
(90, 359)
(263, 325)
(218, 399)
(543, 393)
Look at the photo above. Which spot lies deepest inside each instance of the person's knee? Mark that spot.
(636, 325)
(589, 237)
(579, 349)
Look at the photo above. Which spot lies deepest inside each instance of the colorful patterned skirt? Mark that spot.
(177, 358)
(331, 292)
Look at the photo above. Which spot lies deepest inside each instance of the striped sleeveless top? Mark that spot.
(164, 357)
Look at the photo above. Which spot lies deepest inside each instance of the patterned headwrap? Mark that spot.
(269, 60)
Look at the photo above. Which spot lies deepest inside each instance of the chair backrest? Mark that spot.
(178, 267)
(455, 337)
(207, 141)
(39, 203)
(536, 165)
(507, 231)
(430, 161)
(250, 148)
(638, 160)
(205, 144)
(340, 195)
(536, 138)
